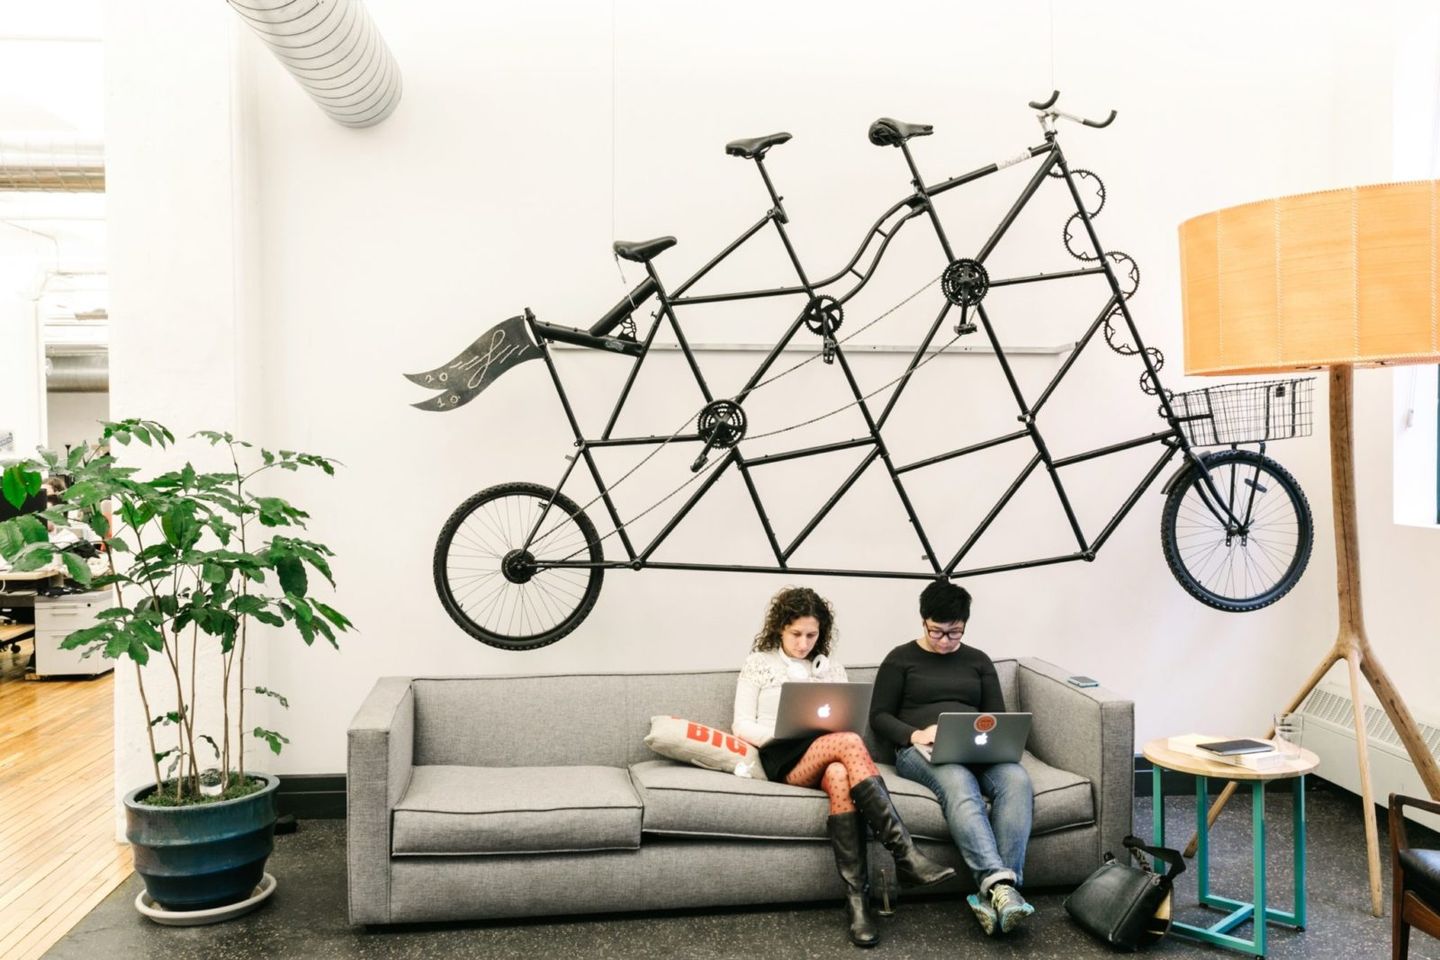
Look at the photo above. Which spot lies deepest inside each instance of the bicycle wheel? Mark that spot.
(499, 590)
(1249, 548)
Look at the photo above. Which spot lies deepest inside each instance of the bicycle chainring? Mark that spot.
(1114, 338)
(1127, 272)
(1147, 382)
(721, 424)
(823, 315)
(965, 282)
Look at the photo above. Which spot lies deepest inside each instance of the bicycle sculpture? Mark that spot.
(520, 565)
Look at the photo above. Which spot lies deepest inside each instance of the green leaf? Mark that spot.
(14, 484)
(265, 692)
(271, 737)
(86, 636)
(163, 754)
(213, 745)
(333, 615)
(143, 434)
(32, 529)
(292, 575)
(214, 573)
(11, 542)
(181, 528)
(274, 512)
(118, 545)
(78, 569)
(33, 557)
(266, 617)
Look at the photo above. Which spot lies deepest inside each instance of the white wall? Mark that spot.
(72, 418)
(497, 185)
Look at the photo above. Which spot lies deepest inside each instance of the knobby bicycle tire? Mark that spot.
(483, 599)
(1223, 569)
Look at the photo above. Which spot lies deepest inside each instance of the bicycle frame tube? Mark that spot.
(878, 238)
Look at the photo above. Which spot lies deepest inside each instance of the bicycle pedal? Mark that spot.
(699, 463)
(827, 354)
(962, 329)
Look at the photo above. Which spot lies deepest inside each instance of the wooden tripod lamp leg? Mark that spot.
(1367, 793)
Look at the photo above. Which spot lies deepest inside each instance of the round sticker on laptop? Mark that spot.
(985, 723)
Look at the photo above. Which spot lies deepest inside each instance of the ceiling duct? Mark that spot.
(334, 50)
(47, 163)
(77, 371)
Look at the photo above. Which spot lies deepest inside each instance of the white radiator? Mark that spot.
(1330, 732)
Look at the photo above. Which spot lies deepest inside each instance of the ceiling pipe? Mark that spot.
(47, 163)
(334, 50)
(75, 371)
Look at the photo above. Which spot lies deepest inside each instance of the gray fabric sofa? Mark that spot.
(486, 797)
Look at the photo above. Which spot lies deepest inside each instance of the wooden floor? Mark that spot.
(58, 855)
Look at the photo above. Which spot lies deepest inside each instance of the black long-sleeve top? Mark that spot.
(914, 686)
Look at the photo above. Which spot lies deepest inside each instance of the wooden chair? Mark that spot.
(1416, 887)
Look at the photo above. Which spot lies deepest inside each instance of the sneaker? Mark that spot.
(985, 913)
(1009, 906)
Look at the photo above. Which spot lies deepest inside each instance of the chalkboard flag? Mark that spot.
(505, 345)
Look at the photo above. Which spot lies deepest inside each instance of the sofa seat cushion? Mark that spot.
(682, 800)
(451, 810)
(1062, 799)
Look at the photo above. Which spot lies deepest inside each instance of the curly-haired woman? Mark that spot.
(794, 646)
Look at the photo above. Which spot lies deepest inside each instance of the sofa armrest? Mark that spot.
(379, 761)
(1085, 730)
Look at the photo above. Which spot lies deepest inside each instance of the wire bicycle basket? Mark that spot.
(1246, 412)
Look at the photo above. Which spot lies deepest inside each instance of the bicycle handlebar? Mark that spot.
(1045, 105)
(1037, 105)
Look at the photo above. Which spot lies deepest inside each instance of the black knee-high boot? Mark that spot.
(912, 868)
(847, 837)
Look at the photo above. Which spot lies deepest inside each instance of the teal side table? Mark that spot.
(1237, 912)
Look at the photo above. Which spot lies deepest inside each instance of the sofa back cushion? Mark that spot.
(587, 718)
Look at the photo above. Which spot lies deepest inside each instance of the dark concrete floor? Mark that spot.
(306, 917)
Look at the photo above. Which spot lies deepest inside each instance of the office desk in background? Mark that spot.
(55, 619)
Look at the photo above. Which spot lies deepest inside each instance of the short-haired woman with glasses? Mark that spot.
(794, 645)
(934, 674)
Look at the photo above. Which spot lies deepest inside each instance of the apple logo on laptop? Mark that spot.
(981, 739)
(824, 711)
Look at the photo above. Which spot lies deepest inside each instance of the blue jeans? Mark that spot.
(993, 846)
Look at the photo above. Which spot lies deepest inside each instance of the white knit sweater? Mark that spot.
(757, 693)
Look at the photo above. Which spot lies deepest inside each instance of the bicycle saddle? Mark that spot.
(755, 147)
(641, 251)
(888, 132)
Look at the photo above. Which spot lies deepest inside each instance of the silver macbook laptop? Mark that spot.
(980, 737)
(826, 707)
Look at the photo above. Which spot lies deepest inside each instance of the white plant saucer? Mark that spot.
(197, 918)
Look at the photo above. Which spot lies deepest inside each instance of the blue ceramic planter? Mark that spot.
(205, 856)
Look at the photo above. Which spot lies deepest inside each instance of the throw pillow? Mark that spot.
(704, 746)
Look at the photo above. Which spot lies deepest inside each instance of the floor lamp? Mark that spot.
(1332, 280)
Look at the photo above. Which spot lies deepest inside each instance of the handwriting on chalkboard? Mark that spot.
(497, 350)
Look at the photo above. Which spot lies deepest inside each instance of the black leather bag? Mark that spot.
(1127, 906)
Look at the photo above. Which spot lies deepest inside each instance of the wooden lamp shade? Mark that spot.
(1315, 280)
(1337, 279)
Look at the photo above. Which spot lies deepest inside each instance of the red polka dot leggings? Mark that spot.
(834, 762)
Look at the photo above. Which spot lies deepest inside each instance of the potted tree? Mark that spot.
(194, 559)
